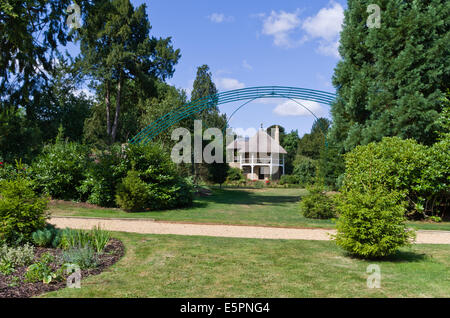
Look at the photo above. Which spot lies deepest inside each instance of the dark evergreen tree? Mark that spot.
(391, 79)
(211, 118)
(30, 32)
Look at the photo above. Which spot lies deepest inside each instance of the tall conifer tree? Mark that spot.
(391, 79)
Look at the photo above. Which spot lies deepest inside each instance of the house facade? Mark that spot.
(260, 157)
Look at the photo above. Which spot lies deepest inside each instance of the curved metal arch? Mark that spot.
(251, 93)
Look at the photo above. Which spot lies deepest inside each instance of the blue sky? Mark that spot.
(254, 43)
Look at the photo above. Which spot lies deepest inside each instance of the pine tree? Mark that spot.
(391, 79)
(211, 118)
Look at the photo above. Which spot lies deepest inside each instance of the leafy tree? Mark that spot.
(290, 143)
(391, 79)
(19, 137)
(60, 104)
(311, 144)
(133, 108)
(115, 46)
(30, 32)
(211, 118)
(166, 99)
(203, 87)
(60, 169)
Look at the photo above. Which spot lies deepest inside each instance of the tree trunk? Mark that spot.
(116, 115)
(108, 108)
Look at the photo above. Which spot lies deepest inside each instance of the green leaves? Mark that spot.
(60, 169)
(317, 205)
(391, 80)
(405, 166)
(153, 183)
(22, 211)
(371, 222)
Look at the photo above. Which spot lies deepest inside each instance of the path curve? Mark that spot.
(241, 231)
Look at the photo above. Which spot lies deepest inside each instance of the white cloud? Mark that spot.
(291, 108)
(245, 132)
(280, 25)
(246, 65)
(326, 26)
(220, 18)
(226, 84)
(329, 48)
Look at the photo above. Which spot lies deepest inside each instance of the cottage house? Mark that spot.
(260, 157)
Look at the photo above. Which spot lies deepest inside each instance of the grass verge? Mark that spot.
(184, 266)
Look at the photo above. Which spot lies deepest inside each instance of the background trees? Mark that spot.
(391, 79)
(30, 31)
(116, 46)
(210, 117)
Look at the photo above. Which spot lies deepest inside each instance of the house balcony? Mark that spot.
(259, 161)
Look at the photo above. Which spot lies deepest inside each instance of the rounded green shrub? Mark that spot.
(103, 176)
(22, 211)
(59, 170)
(400, 165)
(371, 222)
(49, 236)
(157, 182)
(234, 174)
(132, 193)
(317, 205)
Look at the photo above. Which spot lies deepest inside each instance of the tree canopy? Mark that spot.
(116, 46)
(391, 79)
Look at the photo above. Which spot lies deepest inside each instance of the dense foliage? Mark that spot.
(154, 183)
(372, 221)
(22, 211)
(103, 176)
(305, 170)
(391, 79)
(317, 204)
(59, 170)
(417, 171)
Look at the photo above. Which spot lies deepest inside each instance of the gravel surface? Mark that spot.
(159, 227)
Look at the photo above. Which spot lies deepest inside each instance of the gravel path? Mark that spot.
(159, 227)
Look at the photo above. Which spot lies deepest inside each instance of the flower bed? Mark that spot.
(17, 285)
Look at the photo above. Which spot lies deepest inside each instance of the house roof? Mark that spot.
(261, 142)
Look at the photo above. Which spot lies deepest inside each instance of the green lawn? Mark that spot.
(185, 266)
(266, 207)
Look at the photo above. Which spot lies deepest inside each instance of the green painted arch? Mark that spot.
(245, 94)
